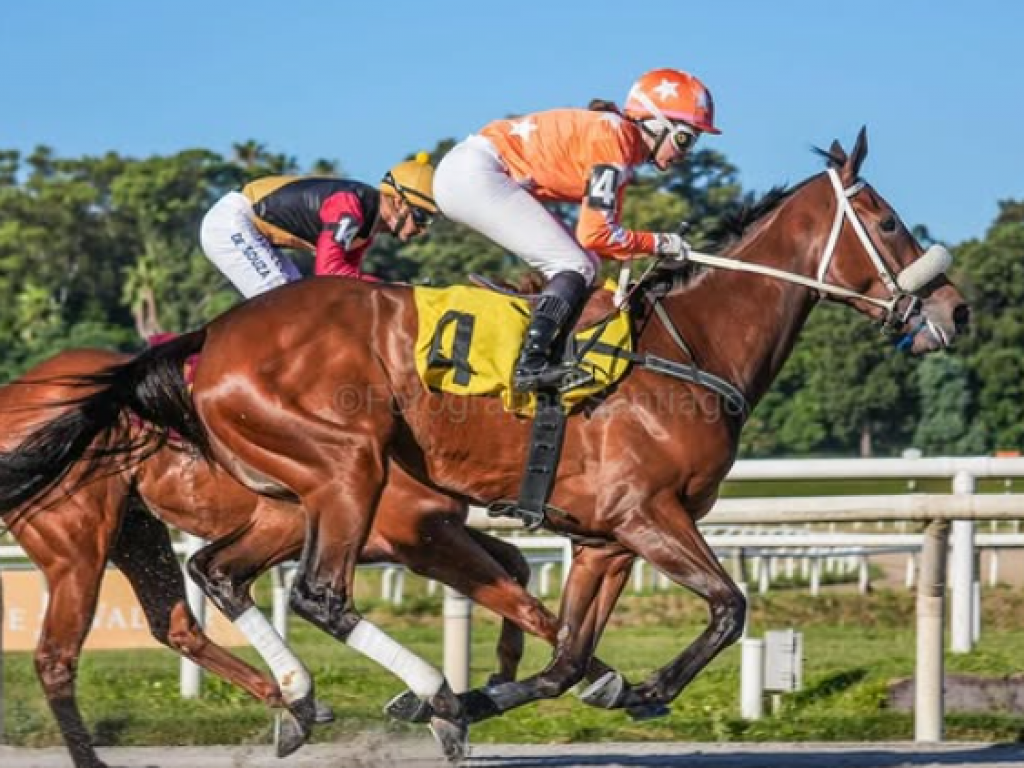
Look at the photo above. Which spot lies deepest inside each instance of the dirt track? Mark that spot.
(373, 753)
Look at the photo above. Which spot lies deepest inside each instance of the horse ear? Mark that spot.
(836, 154)
(851, 170)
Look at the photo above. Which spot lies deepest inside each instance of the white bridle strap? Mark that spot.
(934, 265)
(845, 210)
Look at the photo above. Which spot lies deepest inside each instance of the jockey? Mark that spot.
(495, 182)
(334, 218)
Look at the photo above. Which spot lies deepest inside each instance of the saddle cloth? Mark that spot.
(469, 338)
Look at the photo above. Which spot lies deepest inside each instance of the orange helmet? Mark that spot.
(668, 94)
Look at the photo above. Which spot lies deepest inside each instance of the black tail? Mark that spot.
(97, 428)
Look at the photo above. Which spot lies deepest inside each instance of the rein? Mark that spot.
(934, 262)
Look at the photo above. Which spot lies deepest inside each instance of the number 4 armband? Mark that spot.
(603, 187)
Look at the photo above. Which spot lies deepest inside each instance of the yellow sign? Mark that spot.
(119, 621)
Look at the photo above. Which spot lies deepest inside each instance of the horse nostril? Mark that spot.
(961, 317)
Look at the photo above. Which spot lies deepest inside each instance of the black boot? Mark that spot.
(556, 307)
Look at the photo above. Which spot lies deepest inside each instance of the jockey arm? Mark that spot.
(599, 228)
(338, 250)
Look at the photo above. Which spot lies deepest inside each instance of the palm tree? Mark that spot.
(140, 293)
(249, 154)
(325, 167)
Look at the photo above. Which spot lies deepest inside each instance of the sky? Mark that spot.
(939, 85)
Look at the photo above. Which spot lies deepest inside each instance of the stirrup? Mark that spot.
(562, 377)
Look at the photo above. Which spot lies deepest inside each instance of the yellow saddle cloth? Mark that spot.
(469, 339)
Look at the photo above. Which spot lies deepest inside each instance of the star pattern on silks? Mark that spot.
(666, 89)
(523, 128)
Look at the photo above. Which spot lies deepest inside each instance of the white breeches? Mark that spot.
(473, 187)
(230, 240)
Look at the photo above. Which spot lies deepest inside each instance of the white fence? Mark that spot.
(963, 507)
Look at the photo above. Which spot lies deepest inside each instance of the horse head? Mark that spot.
(886, 273)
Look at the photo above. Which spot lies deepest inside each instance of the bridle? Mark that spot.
(902, 287)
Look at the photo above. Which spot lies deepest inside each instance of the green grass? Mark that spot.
(854, 646)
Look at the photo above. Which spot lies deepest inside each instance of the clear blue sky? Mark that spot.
(939, 85)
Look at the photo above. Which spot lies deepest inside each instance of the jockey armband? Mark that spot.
(345, 230)
(603, 187)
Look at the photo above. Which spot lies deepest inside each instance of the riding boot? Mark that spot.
(555, 310)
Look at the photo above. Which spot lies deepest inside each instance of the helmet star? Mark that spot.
(666, 89)
(523, 128)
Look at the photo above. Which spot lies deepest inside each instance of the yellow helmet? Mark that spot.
(413, 181)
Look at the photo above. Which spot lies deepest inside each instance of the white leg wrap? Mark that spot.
(289, 672)
(422, 679)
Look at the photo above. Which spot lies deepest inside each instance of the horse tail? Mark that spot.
(129, 412)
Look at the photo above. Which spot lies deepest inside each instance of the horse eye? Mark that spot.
(888, 225)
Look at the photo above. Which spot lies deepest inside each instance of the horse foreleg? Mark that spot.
(506, 596)
(574, 644)
(668, 538)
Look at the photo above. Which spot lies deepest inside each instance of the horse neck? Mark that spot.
(743, 326)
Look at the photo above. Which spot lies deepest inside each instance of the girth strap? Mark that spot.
(738, 405)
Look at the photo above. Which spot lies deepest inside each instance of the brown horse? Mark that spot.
(415, 526)
(314, 403)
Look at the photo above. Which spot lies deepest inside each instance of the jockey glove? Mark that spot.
(671, 245)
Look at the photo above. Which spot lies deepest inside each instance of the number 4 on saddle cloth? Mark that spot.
(469, 339)
(467, 344)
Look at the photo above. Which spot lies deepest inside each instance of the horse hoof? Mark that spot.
(477, 706)
(289, 734)
(408, 708)
(323, 714)
(453, 738)
(606, 692)
(648, 712)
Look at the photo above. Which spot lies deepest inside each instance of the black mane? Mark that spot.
(739, 218)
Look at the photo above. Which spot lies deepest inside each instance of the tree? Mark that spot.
(945, 404)
(992, 272)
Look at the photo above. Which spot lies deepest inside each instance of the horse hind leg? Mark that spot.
(341, 513)
(144, 553)
(226, 569)
(69, 613)
(491, 573)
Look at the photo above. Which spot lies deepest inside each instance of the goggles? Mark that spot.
(683, 138)
(421, 217)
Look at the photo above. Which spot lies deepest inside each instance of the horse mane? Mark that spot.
(739, 218)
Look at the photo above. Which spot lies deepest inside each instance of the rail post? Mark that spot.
(752, 679)
(458, 615)
(929, 703)
(191, 673)
(962, 576)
